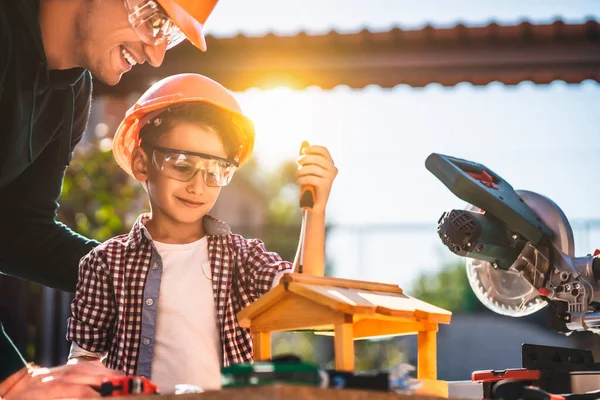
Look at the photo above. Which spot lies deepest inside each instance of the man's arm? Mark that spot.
(73, 381)
(33, 245)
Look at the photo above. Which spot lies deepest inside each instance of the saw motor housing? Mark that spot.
(519, 248)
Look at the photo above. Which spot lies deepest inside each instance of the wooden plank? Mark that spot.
(427, 355)
(357, 301)
(432, 387)
(260, 305)
(261, 343)
(405, 314)
(343, 343)
(341, 283)
(381, 317)
(370, 328)
(287, 392)
(338, 299)
(404, 306)
(433, 317)
(295, 312)
(420, 305)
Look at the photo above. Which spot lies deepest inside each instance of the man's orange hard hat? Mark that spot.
(178, 90)
(190, 16)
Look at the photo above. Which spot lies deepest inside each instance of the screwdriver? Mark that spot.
(307, 202)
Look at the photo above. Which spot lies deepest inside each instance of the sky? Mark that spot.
(540, 138)
(258, 17)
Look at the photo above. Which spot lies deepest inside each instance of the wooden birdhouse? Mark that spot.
(352, 310)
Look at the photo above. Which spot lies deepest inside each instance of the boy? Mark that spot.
(161, 302)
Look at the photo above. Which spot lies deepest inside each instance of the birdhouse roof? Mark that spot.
(360, 298)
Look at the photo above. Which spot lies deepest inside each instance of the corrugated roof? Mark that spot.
(460, 31)
(476, 54)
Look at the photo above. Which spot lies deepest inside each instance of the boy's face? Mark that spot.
(183, 202)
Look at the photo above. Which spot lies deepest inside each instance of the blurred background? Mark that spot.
(511, 85)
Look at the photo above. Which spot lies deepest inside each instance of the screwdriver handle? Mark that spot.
(307, 192)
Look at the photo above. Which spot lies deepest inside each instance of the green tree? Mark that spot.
(449, 288)
(98, 199)
(284, 215)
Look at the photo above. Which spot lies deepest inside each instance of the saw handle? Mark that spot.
(307, 192)
(481, 187)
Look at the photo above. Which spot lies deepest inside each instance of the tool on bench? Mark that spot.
(127, 385)
(307, 202)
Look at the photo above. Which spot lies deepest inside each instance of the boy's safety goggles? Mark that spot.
(184, 165)
(152, 24)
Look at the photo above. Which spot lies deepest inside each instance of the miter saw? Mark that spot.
(519, 248)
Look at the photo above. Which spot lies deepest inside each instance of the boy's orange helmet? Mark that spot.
(170, 91)
(190, 16)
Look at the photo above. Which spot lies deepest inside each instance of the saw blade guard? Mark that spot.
(507, 292)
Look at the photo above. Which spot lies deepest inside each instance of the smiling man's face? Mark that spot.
(108, 44)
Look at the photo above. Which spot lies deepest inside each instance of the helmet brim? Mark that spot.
(190, 23)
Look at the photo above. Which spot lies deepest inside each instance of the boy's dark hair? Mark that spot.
(205, 115)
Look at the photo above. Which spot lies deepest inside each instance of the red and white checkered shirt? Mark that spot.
(107, 309)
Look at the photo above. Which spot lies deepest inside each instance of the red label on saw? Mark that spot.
(500, 375)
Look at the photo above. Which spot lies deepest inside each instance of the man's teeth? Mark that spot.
(128, 57)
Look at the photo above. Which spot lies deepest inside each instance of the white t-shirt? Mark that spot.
(186, 320)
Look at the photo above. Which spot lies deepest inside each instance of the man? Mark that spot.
(49, 49)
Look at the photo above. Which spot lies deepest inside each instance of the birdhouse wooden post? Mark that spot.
(352, 310)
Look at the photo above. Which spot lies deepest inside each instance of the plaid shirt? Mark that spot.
(108, 307)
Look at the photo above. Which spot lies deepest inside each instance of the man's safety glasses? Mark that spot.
(184, 165)
(152, 24)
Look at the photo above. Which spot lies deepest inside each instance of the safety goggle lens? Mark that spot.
(152, 24)
(183, 167)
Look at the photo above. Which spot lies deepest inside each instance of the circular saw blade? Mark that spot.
(507, 292)
(504, 292)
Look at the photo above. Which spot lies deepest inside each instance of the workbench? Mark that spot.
(287, 392)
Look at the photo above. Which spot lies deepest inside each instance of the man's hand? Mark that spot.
(316, 168)
(74, 380)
